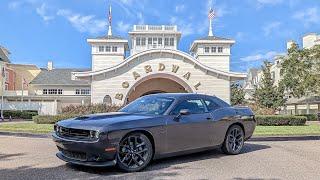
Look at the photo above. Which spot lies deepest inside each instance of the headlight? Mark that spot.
(56, 128)
(94, 134)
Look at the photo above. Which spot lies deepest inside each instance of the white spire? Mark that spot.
(110, 19)
(210, 16)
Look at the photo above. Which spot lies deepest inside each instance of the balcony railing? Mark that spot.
(154, 28)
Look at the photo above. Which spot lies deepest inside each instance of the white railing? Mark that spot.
(154, 28)
(15, 93)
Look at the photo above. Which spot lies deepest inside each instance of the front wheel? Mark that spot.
(234, 140)
(135, 152)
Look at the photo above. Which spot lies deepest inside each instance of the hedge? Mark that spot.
(311, 117)
(19, 114)
(280, 120)
(48, 119)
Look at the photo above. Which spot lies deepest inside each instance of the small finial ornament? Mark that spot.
(211, 15)
(110, 20)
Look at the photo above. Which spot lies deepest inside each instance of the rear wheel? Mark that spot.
(234, 140)
(135, 152)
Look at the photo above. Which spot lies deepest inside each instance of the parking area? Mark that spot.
(34, 158)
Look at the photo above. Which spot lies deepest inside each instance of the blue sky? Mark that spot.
(36, 31)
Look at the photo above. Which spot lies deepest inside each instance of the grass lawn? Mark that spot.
(26, 127)
(312, 129)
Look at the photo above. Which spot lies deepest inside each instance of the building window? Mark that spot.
(171, 41)
(220, 49)
(143, 41)
(138, 41)
(85, 91)
(52, 91)
(160, 41)
(206, 49)
(44, 91)
(108, 48)
(59, 91)
(6, 87)
(114, 48)
(213, 49)
(107, 100)
(101, 48)
(166, 41)
(149, 41)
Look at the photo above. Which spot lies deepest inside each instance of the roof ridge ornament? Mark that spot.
(110, 20)
(211, 15)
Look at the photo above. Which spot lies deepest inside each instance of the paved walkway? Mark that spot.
(34, 158)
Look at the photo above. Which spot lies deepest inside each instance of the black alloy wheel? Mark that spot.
(234, 140)
(135, 152)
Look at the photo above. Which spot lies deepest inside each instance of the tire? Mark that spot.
(234, 140)
(135, 152)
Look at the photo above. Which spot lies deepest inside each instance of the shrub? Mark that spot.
(310, 117)
(280, 120)
(48, 119)
(19, 114)
(73, 111)
(89, 109)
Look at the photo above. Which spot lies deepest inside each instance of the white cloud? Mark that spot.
(186, 27)
(122, 27)
(269, 2)
(258, 57)
(84, 23)
(308, 16)
(14, 5)
(140, 18)
(42, 12)
(271, 27)
(179, 8)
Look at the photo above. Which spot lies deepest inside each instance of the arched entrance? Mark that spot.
(157, 83)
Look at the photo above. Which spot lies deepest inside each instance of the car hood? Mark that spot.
(100, 121)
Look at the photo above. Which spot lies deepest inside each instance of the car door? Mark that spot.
(190, 131)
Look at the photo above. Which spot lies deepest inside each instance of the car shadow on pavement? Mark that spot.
(173, 161)
(159, 169)
(4, 157)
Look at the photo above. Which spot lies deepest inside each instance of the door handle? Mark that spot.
(209, 118)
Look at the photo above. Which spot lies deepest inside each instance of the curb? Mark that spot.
(19, 134)
(253, 139)
(285, 138)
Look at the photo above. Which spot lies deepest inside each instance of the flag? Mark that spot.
(211, 14)
(110, 16)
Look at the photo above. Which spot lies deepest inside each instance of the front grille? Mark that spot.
(76, 133)
(74, 155)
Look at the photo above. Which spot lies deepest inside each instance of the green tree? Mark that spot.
(267, 95)
(300, 71)
(237, 94)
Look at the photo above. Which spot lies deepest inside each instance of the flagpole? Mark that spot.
(210, 28)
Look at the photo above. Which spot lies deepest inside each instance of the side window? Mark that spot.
(195, 106)
(211, 105)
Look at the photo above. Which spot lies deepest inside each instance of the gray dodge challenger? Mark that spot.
(153, 127)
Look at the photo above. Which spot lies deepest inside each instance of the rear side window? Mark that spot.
(211, 105)
(195, 106)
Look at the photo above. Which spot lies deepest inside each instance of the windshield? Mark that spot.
(148, 105)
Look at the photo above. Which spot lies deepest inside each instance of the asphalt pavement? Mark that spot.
(34, 158)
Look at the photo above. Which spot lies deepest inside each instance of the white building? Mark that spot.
(304, 105)
(156, 65)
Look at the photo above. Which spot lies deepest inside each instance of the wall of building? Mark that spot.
(27, 72)
(111, 83)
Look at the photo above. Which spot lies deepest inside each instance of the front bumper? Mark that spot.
(88, 153)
